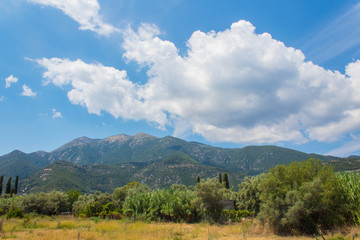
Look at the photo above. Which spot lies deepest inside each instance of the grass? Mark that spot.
(87, 229)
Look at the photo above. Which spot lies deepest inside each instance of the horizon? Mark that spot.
(227, 74)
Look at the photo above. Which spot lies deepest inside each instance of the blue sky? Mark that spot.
(226, 73)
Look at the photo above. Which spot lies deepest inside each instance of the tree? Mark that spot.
(220, 178)
(226, 181)
(16, 185)
(210, 193)
(1, 184)
(8, 186)
(197, 179)
(302, 197)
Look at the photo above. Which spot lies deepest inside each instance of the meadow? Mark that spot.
(45, 227)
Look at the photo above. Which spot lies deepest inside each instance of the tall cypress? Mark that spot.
(197, 179)
(226, 181)
(16, 185)
(8, 186)
(1, 184)
(220, 178)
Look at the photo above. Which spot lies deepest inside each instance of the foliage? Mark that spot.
(174, 204)
(209, 193)
(14, 213)
(73, 196)
(302, 197)
(225, 181)
(51, 203)
(8, 186)
(350, 183)
(15, 190)
(237, 215)
(249, 194)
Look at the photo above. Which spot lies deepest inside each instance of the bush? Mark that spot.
(14, 213)
(209, 193)
(302, 197)
(237, 216)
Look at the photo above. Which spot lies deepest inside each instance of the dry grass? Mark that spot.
(72, 228)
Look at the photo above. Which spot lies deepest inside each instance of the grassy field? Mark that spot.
(73, 228)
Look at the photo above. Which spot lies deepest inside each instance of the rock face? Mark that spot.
(156, 161)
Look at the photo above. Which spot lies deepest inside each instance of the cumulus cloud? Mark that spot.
(27, 92)
(85, 12)
(10, 80)
(235, 85)
(56, 114)
(100, 88)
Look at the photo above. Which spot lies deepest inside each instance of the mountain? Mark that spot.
(103, 164)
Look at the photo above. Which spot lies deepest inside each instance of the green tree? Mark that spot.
(249, 194)
(8, 186)
(73, 196)
(226, 181)
(1, 184)
(303, 197)
(16, 185)
(220, 178)
(197, 179)
(209, 194)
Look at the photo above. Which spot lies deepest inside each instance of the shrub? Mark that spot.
(302, 197)
(237, 216)
(14, 213)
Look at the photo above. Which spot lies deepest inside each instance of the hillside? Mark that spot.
(351, 163)
(178, 168)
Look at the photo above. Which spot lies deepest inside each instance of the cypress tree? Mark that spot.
(1, 184)
(197, 179)
(16, 185)
(226, 181)
(220, 178)
(8, 186)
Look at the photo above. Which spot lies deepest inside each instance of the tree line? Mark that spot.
(8, 189)
(303, 197)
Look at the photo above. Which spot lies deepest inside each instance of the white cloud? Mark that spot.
(98, 88)
(10, 80)
(85, 12)
(235, 86)
(56, 114)
(27, 92)
(2, 98)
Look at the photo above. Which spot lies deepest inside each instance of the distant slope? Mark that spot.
(21, 164)
(351, 163)
(85, 151)
(178, 168)
(63, 176)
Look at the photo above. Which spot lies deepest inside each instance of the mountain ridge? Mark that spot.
(144, 156)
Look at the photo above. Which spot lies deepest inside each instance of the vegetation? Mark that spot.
(300, 198)
(8, 186)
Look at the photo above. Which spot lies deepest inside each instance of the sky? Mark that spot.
(226, 73)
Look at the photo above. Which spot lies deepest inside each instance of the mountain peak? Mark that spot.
(142, 135)
(117, 138)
